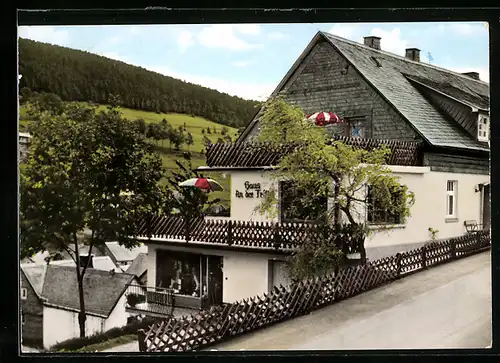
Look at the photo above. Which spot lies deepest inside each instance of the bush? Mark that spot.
(134, 299)
(132, 328)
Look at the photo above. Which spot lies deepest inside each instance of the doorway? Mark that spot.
(214, 280)
(486, 207)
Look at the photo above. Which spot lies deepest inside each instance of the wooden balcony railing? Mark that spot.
(284, 236)
(150, 299)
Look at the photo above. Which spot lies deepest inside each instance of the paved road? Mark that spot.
(445, 307)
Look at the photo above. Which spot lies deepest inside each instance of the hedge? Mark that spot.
(77, 343)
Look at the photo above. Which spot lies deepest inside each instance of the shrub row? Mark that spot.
(131, 328)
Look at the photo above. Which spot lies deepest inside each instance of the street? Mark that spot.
(445, 307)
(448, 306)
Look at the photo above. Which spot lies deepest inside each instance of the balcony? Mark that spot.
(158, 301)
(147, 299)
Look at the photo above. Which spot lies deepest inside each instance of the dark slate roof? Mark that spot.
(58, 287)
(139, 266)
(394, 82)
(391, 81)
(243, 154)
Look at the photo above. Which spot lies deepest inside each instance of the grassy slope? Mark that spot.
(194, 125)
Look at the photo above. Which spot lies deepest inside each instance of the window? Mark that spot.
(181, 272)
(377, 214)
(293, 207)
(355, 127)
(483, 128)
(24, 293)
(451, 199)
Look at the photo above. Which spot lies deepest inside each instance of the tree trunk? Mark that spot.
(82, 317)
(362, 249)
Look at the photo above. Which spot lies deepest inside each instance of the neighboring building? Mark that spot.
(435, 121)
(122, 256)
(139, 268)
(50, 302)
(24, 141)
(102, 263)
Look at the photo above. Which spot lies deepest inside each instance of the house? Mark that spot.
(139, 268)
(381, 95)
(121, 255)
(24, 141)
(435, 121)
(50, 302)
(102, 263)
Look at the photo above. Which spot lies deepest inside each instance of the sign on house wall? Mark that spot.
(252, 190)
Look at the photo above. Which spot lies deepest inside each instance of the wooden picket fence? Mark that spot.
(223, 322)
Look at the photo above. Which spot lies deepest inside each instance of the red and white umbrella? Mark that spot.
(324, 118)
(202, 183)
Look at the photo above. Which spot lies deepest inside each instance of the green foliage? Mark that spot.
(76, 75)
(93, 171)
(190, 203)
(78, 343)
(433, 233)
(322, 168)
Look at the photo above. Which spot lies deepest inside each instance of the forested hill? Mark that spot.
(76, 75)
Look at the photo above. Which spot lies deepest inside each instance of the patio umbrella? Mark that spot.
(202, 183)
(324, 118)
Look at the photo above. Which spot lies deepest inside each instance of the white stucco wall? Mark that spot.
(428, 211)
(118, 316)
(245, 274)
(243, 208)
(60, 325)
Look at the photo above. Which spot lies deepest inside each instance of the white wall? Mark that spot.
(243, 209)
(118, 316)
(429, 209)
(245, 274)
(60, 325)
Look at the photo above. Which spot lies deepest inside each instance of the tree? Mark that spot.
(75, 179)
(224, 131)
(49, 102)
(189, 139)
(25, 95)
(190, 203)
(325, 169)
(219, 140)
(141, 126)
(203, 131)
(177, 138)
(208, 130)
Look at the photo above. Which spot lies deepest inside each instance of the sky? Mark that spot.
(249, 60)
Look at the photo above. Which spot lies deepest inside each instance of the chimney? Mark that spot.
(413, 54)
(372, 42)
(473, 75)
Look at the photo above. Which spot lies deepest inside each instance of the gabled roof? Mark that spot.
(35, 274)
(139, 266)
(392, 81)
(57, 286)
(103, 263)
(122, 253)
